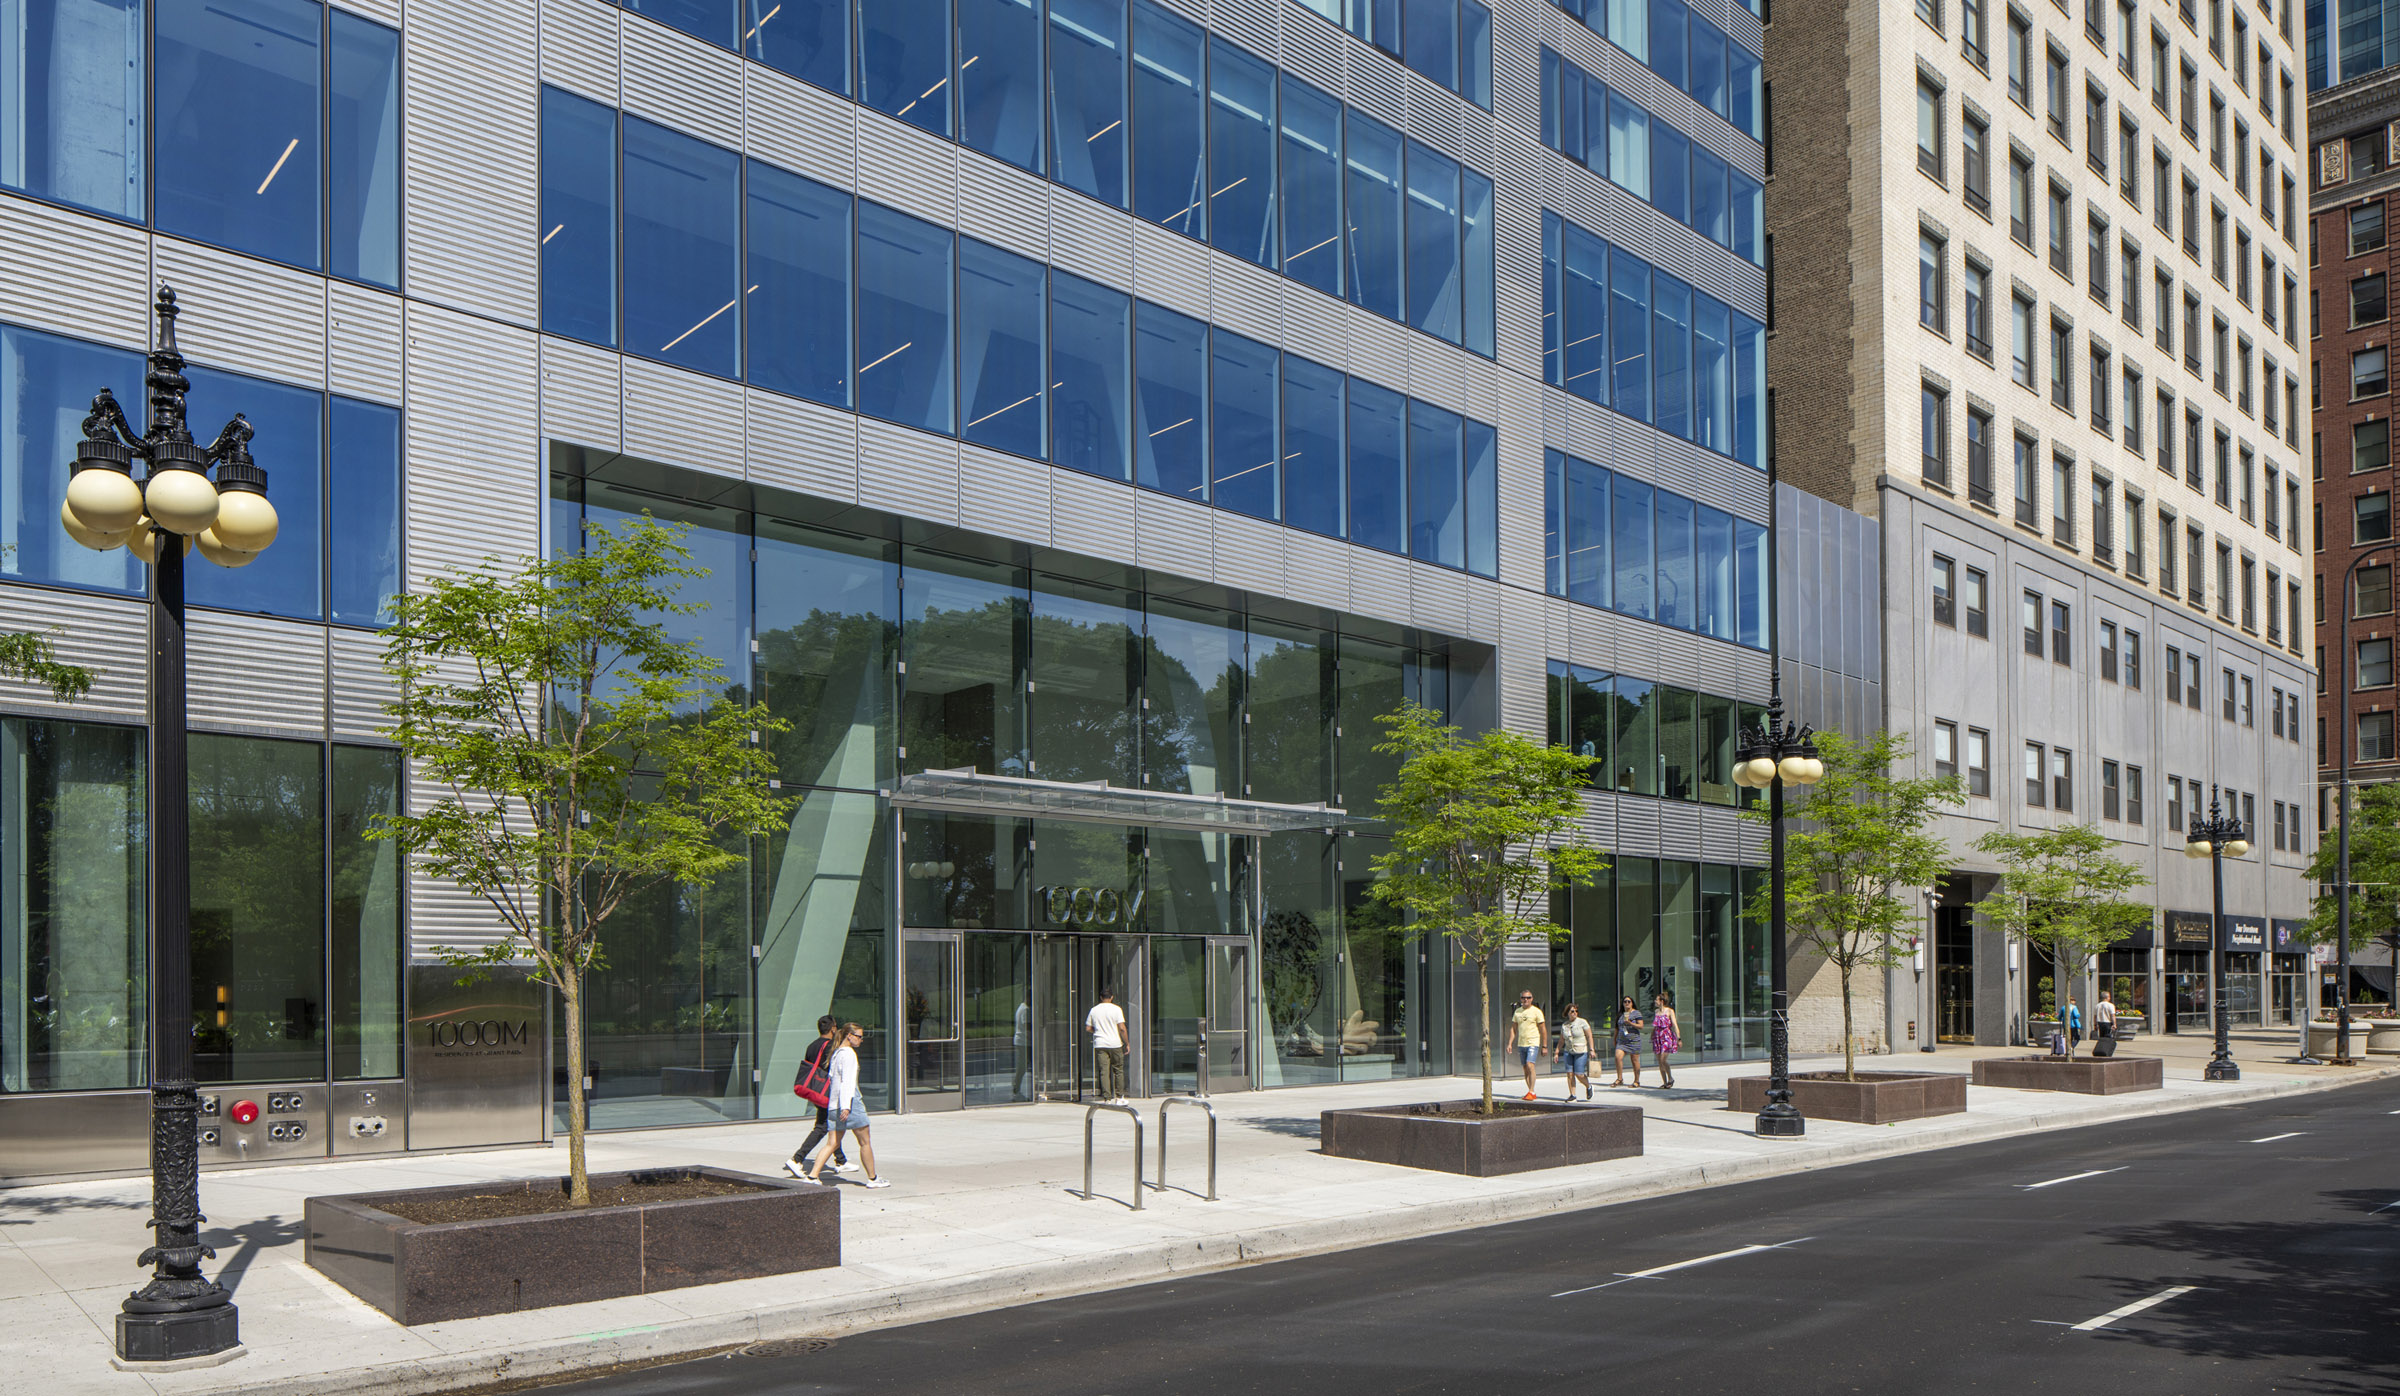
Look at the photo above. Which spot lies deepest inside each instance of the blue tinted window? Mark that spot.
(1712, 374)
(1629, 334)
(1378, 467)
(1628, 145)
(1087, 97)
(1242, 439)
(797, 309)
(1583, 314)
(1373, 261)
(1554, 80)
(1708, 65)
(1742, 89)
(1628, 25)
(1170, 109)
(1629, 541)
(704, 19)
(1749, 390)
(1377, 22)
(1588, 571)
(1712, 209)
(1750, 563)
(1553, 231)
(1312, 186)
(682, 249)
(1667, 21)
(904, 60)
(363, 175)
(1554, 522)
(1483, 499)
(1475, 53)
(1091, 343)
(365, 510)
(290, 447)
(903, 319)
(1170, 401)
(579, 218)
(1480, 283)
(71, 102)
(240, 93)
(1000, 79)
(1431, 39)
(1312, 447)
(1001, 297)
(1671, 172)
(1748, 201)
(1241, 153)
(1714, 569)
(1671, 356)
(46, 384)
(1595, 120)
(1436, 516)
(1675, 583)
(810, 39)
(1433, 243)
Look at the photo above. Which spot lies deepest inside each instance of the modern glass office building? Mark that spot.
(1091, 414)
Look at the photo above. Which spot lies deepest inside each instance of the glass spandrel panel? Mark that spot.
(71, 102)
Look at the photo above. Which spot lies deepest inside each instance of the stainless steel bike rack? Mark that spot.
(1161, 1184)
(1092, 1112)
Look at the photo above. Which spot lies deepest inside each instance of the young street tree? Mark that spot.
(1864, 839)
(2061, 889)
(2374, 872)
(1482, 830)
(588, 755)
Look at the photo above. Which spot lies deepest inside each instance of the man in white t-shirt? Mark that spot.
(1106, 1023)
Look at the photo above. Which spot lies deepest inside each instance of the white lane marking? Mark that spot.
(2383, 1209)
(2093, 1324)
(2074, 1177)
(2273, 1137)
(1683, 1265)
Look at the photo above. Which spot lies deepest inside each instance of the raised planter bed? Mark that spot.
(2383, 1036)
(425, 1271)
(2083, 1075)
(1875, 1098)
(2380, 1036)
(1449, 1137)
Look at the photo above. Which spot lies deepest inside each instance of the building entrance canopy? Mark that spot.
(965, 790)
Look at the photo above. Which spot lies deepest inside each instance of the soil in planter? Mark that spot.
(541, 1202)
(1466, 1110)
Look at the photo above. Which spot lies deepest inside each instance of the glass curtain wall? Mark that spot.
(1649, 926)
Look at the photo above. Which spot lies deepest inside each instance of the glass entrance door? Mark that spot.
(1226, 1031)
(929, 999)
(1069, 974)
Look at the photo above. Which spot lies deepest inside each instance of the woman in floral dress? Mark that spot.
(1666, 1037)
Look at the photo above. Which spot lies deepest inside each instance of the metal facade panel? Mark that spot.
(683, 418)
(1379, 349)
(1254, 24)
(358, 687)
(1248, 300)
(1170, 269)
(580, 47)
(1315, 52)
(1434, 115)
(1174, 536)
(1316, 327)
(1379, 586)
(1250, 553)
(109, 635)
(362, 329)
(583, 399)
(907, 472)
(1524, 662)
(1517, 250)
(1090, 239)
(385, 12)
(247, 315)
(1523, 516)
(1004, 494)
(1316, 569)
(76, 275)
(1376, 87)
(803, 446)
(689, 84)
(1437, 599)
(440, 916)
(469, 182)
(1438, 373)
(907, 169)
(256, 673)
(1092, 516)
(474, 472)
(1003, 205)
(801, 128)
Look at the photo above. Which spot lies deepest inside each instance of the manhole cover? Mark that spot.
(787, 1347)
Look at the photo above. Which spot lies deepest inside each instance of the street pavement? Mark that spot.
(2253, 1248)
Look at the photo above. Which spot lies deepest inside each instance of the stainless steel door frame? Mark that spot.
(932, 1052)
(1225, 1056)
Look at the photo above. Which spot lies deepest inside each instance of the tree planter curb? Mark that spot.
(1875, 1098)
(2083, 1075)
(1540, 1134)
(425, 1272)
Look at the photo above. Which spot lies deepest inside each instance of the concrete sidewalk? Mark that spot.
(982, 1214)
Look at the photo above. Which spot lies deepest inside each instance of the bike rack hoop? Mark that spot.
(1091, 1113)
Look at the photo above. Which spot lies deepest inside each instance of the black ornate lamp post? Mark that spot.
(2217, 836)
(1772, 755)
(181, 1314)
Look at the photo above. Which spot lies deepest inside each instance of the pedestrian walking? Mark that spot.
(2104, 1018)
(1629, 1041)
(814, 1067)
(1532, 1028)
(2073, 1018)
(1575, 1046)
(1666, 1038)
(1106, 1023)
(847, 1107)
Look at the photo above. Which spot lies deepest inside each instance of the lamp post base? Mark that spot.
(178, 1337)
(1781, 1121)
(2222, 1069)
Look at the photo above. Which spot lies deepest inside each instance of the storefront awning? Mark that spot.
(969, 791)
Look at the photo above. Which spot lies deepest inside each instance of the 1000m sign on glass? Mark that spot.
(487, 1033)
(1091, 907)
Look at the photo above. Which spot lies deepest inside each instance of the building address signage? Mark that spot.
(2188, 930)
(1091, 906)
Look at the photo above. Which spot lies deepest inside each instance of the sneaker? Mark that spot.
(875, 1183)
(1529, 1095)
(812, 1182)
(792, 1166)
(851, 1166)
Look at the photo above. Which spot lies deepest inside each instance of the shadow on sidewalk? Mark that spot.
(246, 1241)
(24, 1211)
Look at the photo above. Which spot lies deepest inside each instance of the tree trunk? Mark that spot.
(570, 997)
(1849, 1051)
(1483, 994)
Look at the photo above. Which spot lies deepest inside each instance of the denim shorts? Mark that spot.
(1527, 1056)
(1579, 1063)
(855, 1119)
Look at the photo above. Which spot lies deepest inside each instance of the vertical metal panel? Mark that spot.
(1316, 327)
(474, 472)
(1524, 664)
(1437, 599)
(1433, 115)
(362, 331)
(255, 673)
(1091, 240)
(583, 399)
(74, 274)
(1003, 494)
(1379, 349)
(907, 472)
(687, 83)
(1170, 269)
(246, 315)
(908, 169)
(1250, 553)
(1247, 299)
(1092, 516)
(684, 418)
(579, 47)
(1003, 205)
(470, 190)
(803, 446)
(1517, 254)
(1316, 569)
(1438, 373)
(801, 128)
(109, 635)
(1379, 585)
(358, 687)
(1174, 535)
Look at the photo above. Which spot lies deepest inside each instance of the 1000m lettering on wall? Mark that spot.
(1091, 906)
(487, 1033)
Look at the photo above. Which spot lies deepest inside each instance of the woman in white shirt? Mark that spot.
(845, 1107)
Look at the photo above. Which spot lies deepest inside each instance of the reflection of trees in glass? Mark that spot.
(826, 676)
(72, 807)
(365, 929)
(1292, 970)
(956, 869)
(258, 910)
(1291, 705)
(1192, 676)
(1081, 708)
(959, 704)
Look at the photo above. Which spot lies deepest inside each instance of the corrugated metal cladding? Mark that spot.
(473, 476)
(256, 674)
(109, 635)
(359, 689)
(362, 343)
(74, 275)
(470, 197)
(683, 82)
(580, 47)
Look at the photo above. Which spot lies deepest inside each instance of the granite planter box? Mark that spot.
(420, 1272)
(1450, 1138)
(2083, 1075)
(1875, 1098)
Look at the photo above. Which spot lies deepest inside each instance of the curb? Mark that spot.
(588, 1354)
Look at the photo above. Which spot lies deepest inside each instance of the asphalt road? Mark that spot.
(2248, 1249)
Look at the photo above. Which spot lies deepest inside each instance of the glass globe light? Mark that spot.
(245, 520)
(2238, 848)
(143, 541)
(181, 501)
(103, 500)
(1794, 770)
(1741, 775)
(213, 548)
(1762, 771)
(91, 538)
(2198, 848)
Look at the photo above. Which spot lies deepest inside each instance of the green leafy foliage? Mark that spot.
(2063, 890)
(585, 754)
(30, 655)
(2374, 872)
(1482, 829)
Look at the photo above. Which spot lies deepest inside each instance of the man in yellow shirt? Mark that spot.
(1531, 1036)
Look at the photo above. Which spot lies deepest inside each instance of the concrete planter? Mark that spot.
(422, 1272)
(2084, 1075)
(1448, 1137)
(1875, 1098)
(2383, 1037)
(2380, 1036)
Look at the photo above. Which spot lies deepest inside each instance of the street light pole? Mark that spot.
(2214, 836)
(1772, 755)
(180, 1315)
